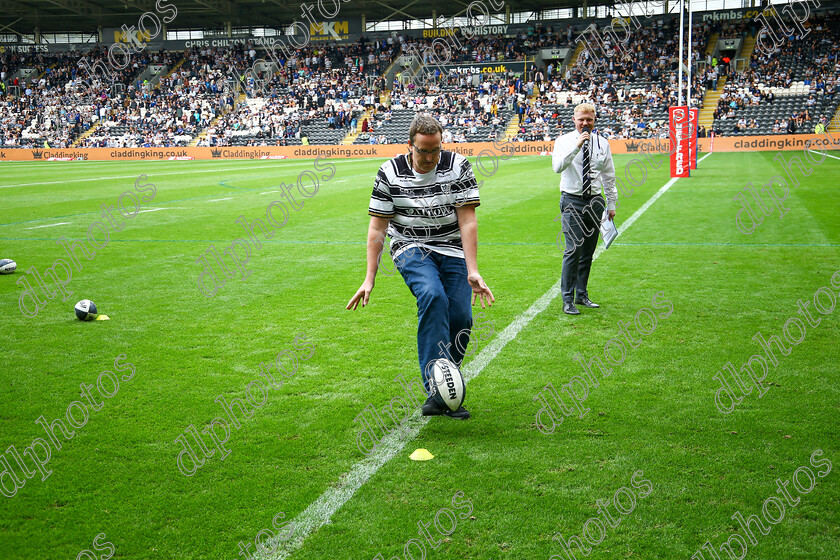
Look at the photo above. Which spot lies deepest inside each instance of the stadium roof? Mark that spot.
(60, 16)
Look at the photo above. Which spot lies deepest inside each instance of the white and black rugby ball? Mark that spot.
(449, 385)
(7, 266)
(86, 310)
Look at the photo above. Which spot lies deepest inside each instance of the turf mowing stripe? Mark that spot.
(732, 244)
(321, 510)
(49, 225)
(185, 172)
(286, 164)
(480, 244)
(167, 202)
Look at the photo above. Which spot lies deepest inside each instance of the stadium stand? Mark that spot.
(788, 91)
(240, 96)
(467, 113)
(633, 94)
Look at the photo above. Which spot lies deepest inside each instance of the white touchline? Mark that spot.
(49, 225)
(321, 510)
(219, 199)
(827, 155)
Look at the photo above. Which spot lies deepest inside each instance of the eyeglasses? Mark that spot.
(426, 152)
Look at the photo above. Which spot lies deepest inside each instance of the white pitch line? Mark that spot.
(827, 155)
(220, 199)
(321, 510)
(156, 208)
(49, 225)
(268, 192)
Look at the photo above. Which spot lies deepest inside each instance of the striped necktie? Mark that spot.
(587, 180)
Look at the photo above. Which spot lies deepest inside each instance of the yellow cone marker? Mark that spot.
(421, 455)
(102, 318)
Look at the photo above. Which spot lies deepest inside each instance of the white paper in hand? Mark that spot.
(608, 230)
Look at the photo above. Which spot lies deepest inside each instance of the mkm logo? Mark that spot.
(139, 36)
(331, 28)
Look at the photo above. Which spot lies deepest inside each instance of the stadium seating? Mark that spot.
(788, 91)
(314, 97)
(461, 112)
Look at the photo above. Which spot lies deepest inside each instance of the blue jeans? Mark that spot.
(444, 306)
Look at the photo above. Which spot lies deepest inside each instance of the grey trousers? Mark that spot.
(581, 218)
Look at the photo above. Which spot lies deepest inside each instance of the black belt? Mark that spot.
(582, 197)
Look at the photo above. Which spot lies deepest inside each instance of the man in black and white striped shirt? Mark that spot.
(425, 202)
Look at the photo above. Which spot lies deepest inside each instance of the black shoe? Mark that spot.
(460, 414)
(432, 408)
(586, 302)
(570, 309)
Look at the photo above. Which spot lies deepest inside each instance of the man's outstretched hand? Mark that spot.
(362, 294)
(480, 290)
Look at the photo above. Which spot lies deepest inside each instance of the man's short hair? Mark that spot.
(424, 124)
(585, 108)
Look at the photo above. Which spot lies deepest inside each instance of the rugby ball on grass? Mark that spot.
(449, 385)
(86, 310)
(7, 266)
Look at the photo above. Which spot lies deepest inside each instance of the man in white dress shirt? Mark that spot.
(585, 161)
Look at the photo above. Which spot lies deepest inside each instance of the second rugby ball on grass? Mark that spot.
(86, 310)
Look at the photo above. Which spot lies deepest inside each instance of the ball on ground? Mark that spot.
(86, 310)
(7, 266)
(448, 384)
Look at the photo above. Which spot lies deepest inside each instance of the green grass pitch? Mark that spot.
(654, 413)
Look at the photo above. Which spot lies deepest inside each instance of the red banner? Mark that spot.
(679, 133)
(693, 114)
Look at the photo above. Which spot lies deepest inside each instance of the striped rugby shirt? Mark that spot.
(422, 206)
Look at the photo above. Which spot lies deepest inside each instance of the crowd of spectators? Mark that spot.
(320, 87)
(486, 48)
(49, 105)
(811, 60)
(632, 93)
(325, 84)
(469, 106)
(330, 86)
